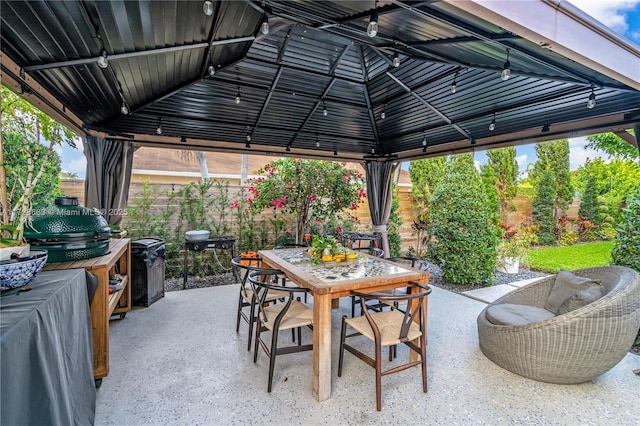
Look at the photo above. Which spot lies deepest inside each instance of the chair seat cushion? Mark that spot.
(298, 315)
(512, 314)
(565, 286)
(389, 324)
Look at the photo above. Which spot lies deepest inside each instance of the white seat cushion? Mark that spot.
(512, 314)
(389, 324)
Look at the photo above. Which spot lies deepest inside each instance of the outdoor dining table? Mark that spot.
(328, 281)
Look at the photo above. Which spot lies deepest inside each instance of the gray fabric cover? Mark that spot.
(512, 314)
(47, 352)
(565, 286)
(108, 176)
(581, 298)
(379, 193)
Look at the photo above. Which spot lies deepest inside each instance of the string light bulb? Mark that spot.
(238, 97)
(124, 109)
(324, 109)
(248, 137)
(424, 142)
(207, 8)
(159, 129)
(506, 69)
(264, 28)
(454, 85)
(211, 70)
(591, 103)
(492, 125)
(102, 59)
(372, 28)
(396, 60)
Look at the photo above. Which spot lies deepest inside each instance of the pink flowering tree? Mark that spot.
(306, 190)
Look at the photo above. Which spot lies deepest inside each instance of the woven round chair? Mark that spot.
(574, 347)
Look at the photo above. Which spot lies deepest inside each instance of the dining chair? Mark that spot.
(287, 246)
(389, 328)
(247, 298)
(290, 314)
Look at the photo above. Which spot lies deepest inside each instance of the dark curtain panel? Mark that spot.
(106, 184)
(379, 192)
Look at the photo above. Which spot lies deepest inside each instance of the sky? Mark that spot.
(622, 16)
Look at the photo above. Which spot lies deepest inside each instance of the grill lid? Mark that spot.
(67, 220)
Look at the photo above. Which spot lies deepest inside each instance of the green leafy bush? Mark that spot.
(464, 235)
(626, 251)
(607, 233)
(568, 238)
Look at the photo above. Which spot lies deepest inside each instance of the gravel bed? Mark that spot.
(437, 279)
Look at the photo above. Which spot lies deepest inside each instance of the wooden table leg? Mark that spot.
(322, 346)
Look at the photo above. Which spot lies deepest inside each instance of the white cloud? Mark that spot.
(610, 12)
(77, 166)
(521, 160)
(477, 164)
(578, 154)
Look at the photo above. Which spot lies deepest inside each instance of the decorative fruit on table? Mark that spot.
(328, 249)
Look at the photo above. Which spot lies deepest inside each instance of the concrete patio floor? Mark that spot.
(181, 362)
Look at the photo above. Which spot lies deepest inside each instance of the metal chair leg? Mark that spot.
(342, 338)
(272, 357)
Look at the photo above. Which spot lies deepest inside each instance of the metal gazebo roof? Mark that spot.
(268, 94)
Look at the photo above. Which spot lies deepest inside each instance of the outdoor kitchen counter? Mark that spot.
(116, 261)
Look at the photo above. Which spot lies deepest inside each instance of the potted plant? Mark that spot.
(510, 252)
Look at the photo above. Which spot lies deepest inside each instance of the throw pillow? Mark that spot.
(566, 285)
(512, 314)
(582, 298)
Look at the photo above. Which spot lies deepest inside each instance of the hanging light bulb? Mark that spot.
(383, 115)
(102, 59)
(159, 129)
(207, 8)
(506, 69)
(211, 70)
(324, 109)
(424, 142)
(454, 85)
(492, 125)
(124, 109)
(591, 103)
(265, 24)
(373, 150)
(372, 28)
(248, 137)
(396, 60)
(238, 97)
(317, 143)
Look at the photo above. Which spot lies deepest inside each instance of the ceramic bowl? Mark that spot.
(16, 273)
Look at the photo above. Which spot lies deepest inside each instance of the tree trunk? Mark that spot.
(202, 161)
(244, 169)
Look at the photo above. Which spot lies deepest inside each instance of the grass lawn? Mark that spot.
(552, 259)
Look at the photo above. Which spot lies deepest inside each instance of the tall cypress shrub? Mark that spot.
(464, 236)
(589, 205)
(543, 209)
